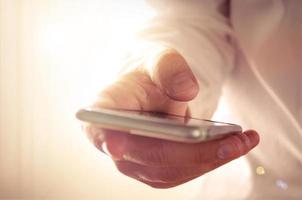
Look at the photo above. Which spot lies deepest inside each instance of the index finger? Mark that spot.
(157, 152)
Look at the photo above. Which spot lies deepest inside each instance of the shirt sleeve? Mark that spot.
(201, 32)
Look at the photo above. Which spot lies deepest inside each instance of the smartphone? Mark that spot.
(158, 125)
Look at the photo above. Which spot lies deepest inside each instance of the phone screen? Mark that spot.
(161, 117)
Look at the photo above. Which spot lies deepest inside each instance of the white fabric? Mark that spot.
(253, 50)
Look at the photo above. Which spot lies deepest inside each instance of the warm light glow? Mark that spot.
(90, 40)
(71, 49)
(56, 56)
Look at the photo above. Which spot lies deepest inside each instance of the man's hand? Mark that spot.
(159, 163)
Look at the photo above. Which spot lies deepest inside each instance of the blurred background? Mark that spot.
(54, 57)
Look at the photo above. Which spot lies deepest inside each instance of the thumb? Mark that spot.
(173, 76)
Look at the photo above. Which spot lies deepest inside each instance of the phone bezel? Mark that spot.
(155, 127)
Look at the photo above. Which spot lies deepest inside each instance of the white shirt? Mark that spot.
(251, 52)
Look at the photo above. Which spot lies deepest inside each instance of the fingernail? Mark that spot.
(225, 151)
(183, 82)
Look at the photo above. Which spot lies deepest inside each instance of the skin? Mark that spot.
(167, 87)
